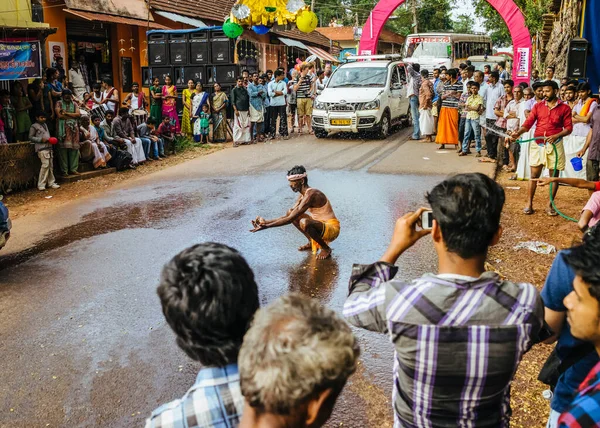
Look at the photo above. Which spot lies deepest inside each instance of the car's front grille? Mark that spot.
(344, 107)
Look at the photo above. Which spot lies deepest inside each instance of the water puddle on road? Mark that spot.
(155, 213)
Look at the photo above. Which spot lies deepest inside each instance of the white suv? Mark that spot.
(363, 96)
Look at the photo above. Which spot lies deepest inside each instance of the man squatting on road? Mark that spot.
(312, 215)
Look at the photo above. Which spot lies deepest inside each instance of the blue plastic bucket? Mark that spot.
(577, 163)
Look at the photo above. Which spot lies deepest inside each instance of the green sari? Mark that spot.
(156, 105)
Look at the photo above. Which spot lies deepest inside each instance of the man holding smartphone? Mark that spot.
(458, 334)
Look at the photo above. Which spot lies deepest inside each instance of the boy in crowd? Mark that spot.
(292, 103)
(462, 121)
(97, 122)
(208, 296)
(89, 135)
(39, 134)
(473, 108)
(294, 363)
(583, 309)
(204, 119)
(146, 131)
(303, 86)
(462, 310)
(277, 93)
(166, 131)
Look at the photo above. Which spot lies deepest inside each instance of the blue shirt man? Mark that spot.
(277, 86)
(258, 93)
(559, 284)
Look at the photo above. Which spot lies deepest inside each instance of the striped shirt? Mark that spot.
(305, 87)
(215, 400)
(458, 341)
(451, 101)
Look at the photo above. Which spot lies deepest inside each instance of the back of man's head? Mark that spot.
(296, 352)
(209, 296)
(467, 208)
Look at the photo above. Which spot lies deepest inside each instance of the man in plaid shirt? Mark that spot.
(209, 296)
(583, 315)
(459, 335)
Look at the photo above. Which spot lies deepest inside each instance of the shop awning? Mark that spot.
(292, 43)
(101, 17)
(320, 53)
(180, 18)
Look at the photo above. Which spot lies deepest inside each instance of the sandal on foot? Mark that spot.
(551, 212)
(528, 211)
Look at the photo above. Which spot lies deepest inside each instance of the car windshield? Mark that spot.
(357, 77)
(434, 49)
(479, 65)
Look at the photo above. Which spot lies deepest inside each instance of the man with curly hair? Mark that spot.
(208, 297)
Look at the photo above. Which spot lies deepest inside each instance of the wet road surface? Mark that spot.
(82, 336)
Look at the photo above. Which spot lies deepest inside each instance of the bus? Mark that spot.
(432, 50)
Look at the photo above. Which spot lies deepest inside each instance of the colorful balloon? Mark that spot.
(231, 29)
(260, 29)
(307, 21)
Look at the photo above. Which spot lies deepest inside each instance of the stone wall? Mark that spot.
(566, 27)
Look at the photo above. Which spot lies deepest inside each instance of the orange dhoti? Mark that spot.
(331, 230)
(447, 126)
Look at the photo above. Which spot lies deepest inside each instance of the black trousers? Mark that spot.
(281, 113)
(491, 138)
(267, 121)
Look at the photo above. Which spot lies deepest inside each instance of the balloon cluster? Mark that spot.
(261, 15)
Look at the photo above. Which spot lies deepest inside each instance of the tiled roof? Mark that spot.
(218, 10)
(213, 10)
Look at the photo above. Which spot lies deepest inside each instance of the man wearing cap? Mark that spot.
(312, 215)
(553, 120)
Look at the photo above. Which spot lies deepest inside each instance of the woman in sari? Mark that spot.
(67, 115)
(218, 105)
(169, 103)
(187, 95)
(156, 100)
(199, 98)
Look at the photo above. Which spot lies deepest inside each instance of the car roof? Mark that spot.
(483, 58)
(373, 63)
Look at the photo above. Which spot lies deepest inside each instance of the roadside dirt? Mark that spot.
(32, 200)
(530, 409)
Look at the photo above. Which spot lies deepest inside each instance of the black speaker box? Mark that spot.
(178, 49)
(161, 73)
(577, 58)
(199, 47)
(157, 49)
(196, 73)
(221, 48)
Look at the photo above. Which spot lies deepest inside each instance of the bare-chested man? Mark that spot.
(312, 215)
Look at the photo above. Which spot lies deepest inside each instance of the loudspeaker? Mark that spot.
(196, 73)
(178, 49)
(224, 74)
(157, 49)
(161, 73)
(221, 47)
(577, 58)
(146, 80)
(199, 47)
(179, 79)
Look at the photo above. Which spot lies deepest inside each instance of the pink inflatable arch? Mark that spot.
(507, 9)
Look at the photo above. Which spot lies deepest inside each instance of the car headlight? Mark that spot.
(319, 105)
(371, 105)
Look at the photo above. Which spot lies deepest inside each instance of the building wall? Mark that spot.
(17, 13)
(57, 19)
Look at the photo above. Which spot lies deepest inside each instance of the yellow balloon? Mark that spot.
(307, 21)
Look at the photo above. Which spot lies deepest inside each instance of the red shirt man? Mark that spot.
(553, 120)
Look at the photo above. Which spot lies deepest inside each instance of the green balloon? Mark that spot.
(231, 29)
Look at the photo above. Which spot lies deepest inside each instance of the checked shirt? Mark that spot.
(215, 400)
(585, 410)
(458, 341)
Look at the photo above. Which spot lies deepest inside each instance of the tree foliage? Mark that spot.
(464, 24)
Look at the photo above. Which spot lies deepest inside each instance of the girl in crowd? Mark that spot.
(35, 92)
(52, 94)
(200, 98)
(187, 94)
(22, 105)
(219, 104)
(156, 100)
(169, 103)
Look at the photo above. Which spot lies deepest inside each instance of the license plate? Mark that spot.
(343, 122)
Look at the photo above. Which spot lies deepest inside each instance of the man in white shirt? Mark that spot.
(77, 81)
(494, 91)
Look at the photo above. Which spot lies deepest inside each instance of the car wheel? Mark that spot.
(321, 133)
(384, 126)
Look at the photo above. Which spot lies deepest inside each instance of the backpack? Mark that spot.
(122, 160)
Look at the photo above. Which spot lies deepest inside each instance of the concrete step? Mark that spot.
(86, 175)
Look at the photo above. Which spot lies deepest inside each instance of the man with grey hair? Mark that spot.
(294, 363)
